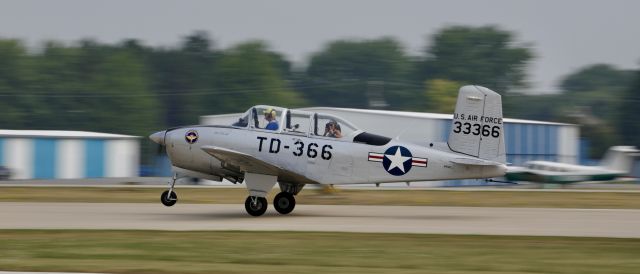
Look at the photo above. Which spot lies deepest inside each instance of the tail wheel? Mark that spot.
(255, 206)
(169, 200)
(284, 202)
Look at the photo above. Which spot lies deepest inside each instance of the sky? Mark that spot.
(565, 34)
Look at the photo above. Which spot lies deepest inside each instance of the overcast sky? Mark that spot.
(565, 35)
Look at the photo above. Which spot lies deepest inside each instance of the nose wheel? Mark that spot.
(284, 202)
(255, 206)
(169, 197)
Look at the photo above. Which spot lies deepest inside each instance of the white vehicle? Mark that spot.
(617, 162)
(294, 148)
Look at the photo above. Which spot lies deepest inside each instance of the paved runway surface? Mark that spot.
(392, 219)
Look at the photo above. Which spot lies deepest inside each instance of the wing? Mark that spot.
(248, 163)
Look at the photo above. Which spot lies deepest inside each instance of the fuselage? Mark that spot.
(322, 160)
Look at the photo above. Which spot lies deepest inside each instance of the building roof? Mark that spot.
(425, 115)
(62, 134)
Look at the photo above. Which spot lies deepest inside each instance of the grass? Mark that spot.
(309, 252)
(561, 199)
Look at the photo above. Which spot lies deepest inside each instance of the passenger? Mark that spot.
(270, 116)
(332, 129)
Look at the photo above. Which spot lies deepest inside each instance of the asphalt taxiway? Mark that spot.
(624, 223)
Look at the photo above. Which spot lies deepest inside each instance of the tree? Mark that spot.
(484, 56)
(593, 96)
(14, 76)
(182, 78)
(628, 124)
(598, 77)
(442, 95)
(92, 87)
(352, 73)
(129, 105)
(250, 74)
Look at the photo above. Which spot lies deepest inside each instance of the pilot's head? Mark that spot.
(270, 114)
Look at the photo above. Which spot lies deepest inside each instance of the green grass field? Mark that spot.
(561, 199)
(303, 252)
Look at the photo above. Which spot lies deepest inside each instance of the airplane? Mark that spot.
(617, 162)
(294, 148)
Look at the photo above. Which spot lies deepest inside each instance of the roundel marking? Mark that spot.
(397, 160)
(191, 136)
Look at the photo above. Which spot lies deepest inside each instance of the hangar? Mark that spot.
(526, 140)
(52, 154)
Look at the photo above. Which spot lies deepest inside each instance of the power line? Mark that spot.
(190, 92)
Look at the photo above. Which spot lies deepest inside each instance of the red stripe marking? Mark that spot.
(376, 156)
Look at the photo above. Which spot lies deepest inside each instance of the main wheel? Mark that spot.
(255, 209)
(168, 201)
(284, 202)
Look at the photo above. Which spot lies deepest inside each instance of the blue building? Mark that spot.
(51, 154)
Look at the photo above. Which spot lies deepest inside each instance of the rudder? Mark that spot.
(620, 158)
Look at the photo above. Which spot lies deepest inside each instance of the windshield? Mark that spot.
(261, 117)
(243, 121)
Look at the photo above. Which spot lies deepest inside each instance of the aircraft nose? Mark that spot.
(158, 137)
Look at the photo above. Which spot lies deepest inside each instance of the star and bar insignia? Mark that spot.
(397, 160)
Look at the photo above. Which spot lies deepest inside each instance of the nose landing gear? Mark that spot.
(169, 197)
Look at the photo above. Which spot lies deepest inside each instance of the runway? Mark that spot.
(624, 223)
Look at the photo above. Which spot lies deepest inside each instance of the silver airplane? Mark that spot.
(294, 148)
(617, 162)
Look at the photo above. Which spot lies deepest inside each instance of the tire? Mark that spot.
(258, 209)
(284, 202)
(169, 201)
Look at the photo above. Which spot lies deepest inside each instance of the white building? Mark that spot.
(51, 154)
(526, 140)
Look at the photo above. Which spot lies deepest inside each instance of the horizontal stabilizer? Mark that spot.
(474, 162)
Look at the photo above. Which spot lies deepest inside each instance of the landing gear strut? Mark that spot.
(284, 202)
(169, 197)
(255, 206)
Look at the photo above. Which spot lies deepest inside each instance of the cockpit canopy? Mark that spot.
(305, 123)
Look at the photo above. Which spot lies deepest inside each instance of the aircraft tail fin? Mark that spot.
(478, 126)
(620, 158)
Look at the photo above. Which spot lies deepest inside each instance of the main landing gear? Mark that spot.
(259, 185)
(284, 203)
(256, 204)
(169, 197)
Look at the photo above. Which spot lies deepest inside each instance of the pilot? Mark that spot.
(332, 129)
(270, 116)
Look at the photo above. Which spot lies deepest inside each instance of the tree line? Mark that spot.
(133, 88)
